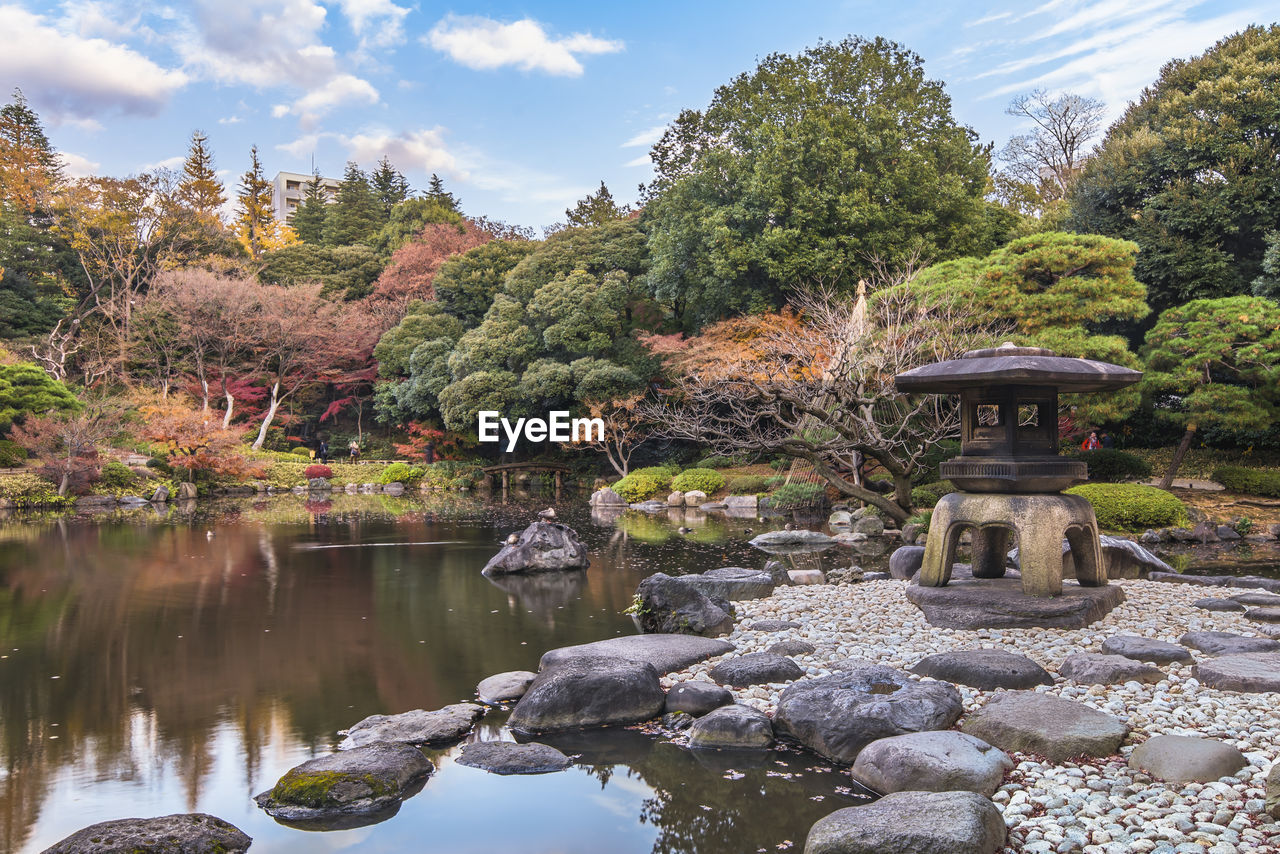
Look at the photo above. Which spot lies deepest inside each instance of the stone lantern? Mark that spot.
(1009, 472)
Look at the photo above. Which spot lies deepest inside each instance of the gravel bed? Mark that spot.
(1103, 807)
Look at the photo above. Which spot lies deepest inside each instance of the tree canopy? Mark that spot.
(25, 389)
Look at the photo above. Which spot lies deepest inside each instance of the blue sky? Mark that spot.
(524, 108)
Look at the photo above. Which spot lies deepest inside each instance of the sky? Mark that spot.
(524, 108)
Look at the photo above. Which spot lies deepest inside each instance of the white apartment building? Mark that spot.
(289, 188)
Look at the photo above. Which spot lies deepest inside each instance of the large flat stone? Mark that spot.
(1184, 759)
(1226, 643)
(1058, 729)
(734, 727)
(1090, 668)
(756, 668)
(665, 652)
(732, 583)
(912, 823)
(1268, 614)
(1254, 582)
(999, 603)
(589, 692)
(1145, 649)
(416, 727)
(506, 757)
(986, 669)
(171, 834)
(1254, 672)
(364, 781)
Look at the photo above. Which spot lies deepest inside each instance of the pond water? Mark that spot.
(160, 664)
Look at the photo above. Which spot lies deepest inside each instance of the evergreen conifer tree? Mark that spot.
(389, 185)
(308, 219)
(256, 225)
(437, 193)
(200, 190)
(355, 214)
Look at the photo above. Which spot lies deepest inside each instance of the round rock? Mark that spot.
(1184, 759)
(589, 692)
(735, 727)
(756, 668)
(190, 833)
(507, 757)
(697, 698)
(905, 561)
(1042, 723)
(1255, 672)
(361, 781)
(945, 761)
(1226, 643)
(1090, 668)
(912, 823)
(838, 715)
(1212, 604)
(791, 647)
(1145, 649)
(504, 687)
(985, 669)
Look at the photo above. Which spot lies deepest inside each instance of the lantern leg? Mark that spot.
(1040, 558)
(990, 550)
(944, 539)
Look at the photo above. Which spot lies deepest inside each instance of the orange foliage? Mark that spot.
(193, 440)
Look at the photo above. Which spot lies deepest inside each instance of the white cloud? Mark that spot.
(642, 160)
(90, 18)
(303, 145)
(71, 77)
(78, 166)
(168, 163)
(989, 19)
(343, 89)
(645, 138)
(379, 23)
(230, 120)
(263, 43)
(422, 150)
(483, 43)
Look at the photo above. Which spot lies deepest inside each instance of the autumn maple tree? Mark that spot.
(67, 444)
(413, 267)
(190, 439)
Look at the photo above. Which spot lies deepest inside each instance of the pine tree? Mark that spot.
(255, 221)
(389, 185)
(595, 209)
(29, 167)
(437, 193)
(355, 214)
(200, 190)
(308, 219)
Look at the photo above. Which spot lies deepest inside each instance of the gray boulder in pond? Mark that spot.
(589, 692)
(606, 497)
(507, 757)
(161, 495)
(1042, 723)
(697, 698)
(733, 583)
(504, 687)
(671, 605)
(736, 727)
(361, 781)
(756, 668)
(791, 538)
(943, 761)
(665, 652)
(416, 727)
(189, 833)
(912, 823)
(541, 547)
(837, 716)
(1184, 759)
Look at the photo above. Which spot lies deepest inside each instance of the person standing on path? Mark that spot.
(354, 448)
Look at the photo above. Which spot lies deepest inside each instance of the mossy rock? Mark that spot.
(364, 781)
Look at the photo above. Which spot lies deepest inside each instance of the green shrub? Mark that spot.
(399, 473)
(115, 475)
(453, 474)
(928, 494)
(637, 487)
(703, 480)
(748, 484)
(11, 454)
(30, 490)
(797, 495)
(1243, 526)
(1108, 465)
(923, 518)
(715, 461)
(779, 463)
(300, 451)
(1252, 481)
(1131, 506)
(775, 481)
(662, 474)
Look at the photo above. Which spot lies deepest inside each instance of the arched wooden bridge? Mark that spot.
(505, 469)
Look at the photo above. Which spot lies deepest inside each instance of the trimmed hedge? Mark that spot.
(703, 480)
(928, 494)
(637, 487)
(399, 473)
(1252, 481)
(1107, 465)
(748, 484)
(115, 475)
(1131, 506)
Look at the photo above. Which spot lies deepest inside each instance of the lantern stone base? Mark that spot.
(1039, 522)
(999, 603)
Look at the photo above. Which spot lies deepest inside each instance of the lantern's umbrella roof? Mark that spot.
(1010, 365)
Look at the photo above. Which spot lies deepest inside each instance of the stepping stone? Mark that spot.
(792, 647)
(697, 698)
(806, 577)
(999, 603)
(416, 727)
(1264, 615)
(772, 625)
(504, 687)
(1258, 599)
(912, 823)
(666, 653)
(732, 583)
(736, 727)
(670, 605)
(507, 757)
(1145, 649)
(1255, 672)
(175, 833)
(1185, 759)
(775, 539)
(838, 715)
(589, 692)
(1226, 643)
(756, 668)
(1212, 604)
(1090, 668)
(985, 669)
(363, 781)
(945, 761)
(1058, 729)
